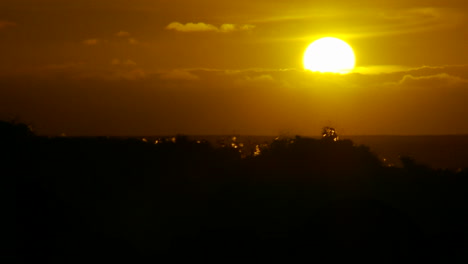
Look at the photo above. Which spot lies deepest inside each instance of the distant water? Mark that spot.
(438, 152)
(447, 152)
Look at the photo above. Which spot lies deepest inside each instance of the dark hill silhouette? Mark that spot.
(105, 199)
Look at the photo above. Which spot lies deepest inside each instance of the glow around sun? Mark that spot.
(329, 55)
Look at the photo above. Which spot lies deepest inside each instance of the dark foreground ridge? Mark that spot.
(105, 200)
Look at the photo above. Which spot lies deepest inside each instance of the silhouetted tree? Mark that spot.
(14, 129)
(329, 134)
(298, 197)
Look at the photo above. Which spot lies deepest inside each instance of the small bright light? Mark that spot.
(329, 55)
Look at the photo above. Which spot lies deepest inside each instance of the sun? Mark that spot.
(329, 55)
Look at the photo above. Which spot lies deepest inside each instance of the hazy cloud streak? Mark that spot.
(122, 34)
(203, 27)
(90, 42)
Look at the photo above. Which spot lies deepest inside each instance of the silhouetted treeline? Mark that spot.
(80, 200)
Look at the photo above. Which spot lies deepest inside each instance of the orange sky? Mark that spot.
(146, 67)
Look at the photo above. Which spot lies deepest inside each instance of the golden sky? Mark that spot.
(149, 67)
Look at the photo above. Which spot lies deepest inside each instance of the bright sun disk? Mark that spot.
(329, 55)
